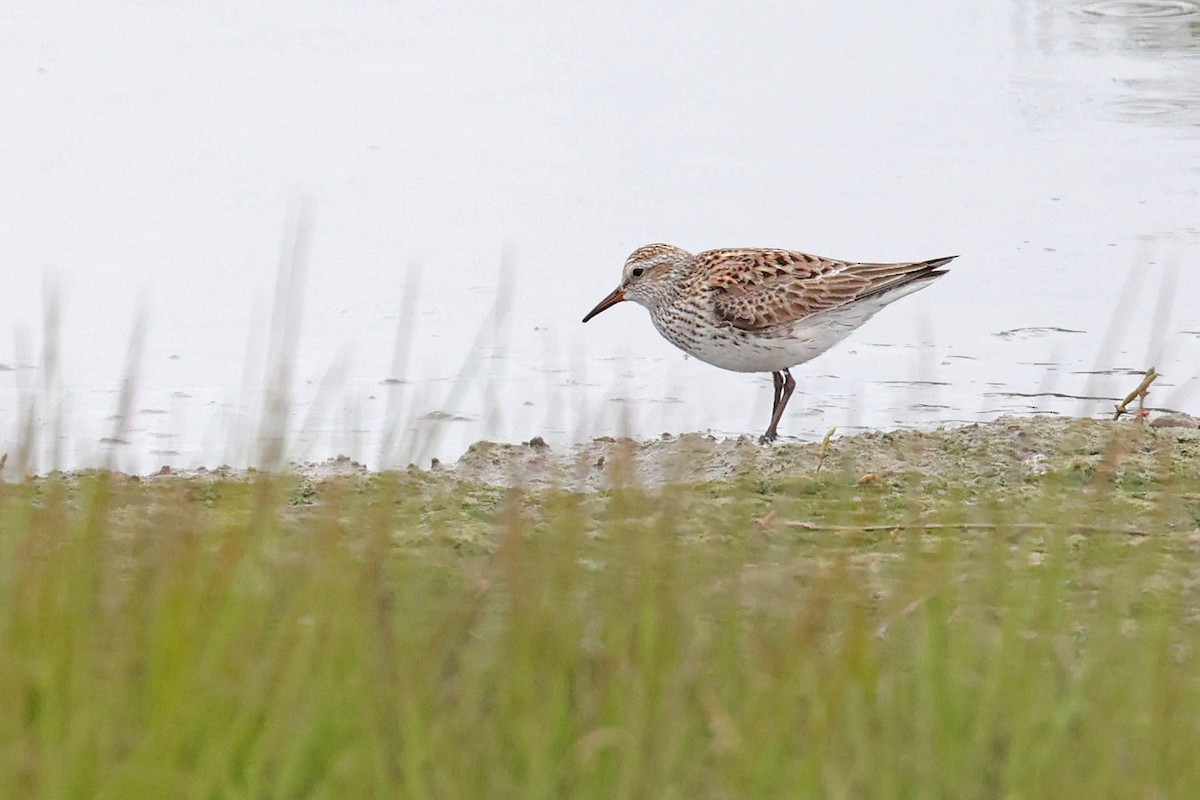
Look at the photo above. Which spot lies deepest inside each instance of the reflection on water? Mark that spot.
(1149, 50)
(1166, 30)
(1158, 27)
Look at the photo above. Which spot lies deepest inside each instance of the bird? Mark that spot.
(761, 309)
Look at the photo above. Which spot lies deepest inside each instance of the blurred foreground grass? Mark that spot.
(406, 635)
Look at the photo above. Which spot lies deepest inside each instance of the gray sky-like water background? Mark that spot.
(459, 183)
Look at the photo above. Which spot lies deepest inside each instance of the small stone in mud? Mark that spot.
(1174, 421)
(166, 470)
(435, 463)
(1038, 464)
(538, 443)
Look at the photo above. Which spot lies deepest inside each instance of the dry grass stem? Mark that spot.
(823, 451)
(1138, 394)
(959, 526)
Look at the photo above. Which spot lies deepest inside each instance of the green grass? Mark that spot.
(405, 636)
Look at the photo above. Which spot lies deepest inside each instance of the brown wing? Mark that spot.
(755, 289)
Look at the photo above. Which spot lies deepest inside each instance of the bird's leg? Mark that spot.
(789, 386)
(777, 379)
(785, 384)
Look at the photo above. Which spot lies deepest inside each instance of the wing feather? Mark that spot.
(758, 289)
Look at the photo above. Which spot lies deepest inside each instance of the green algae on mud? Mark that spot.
(1007, 609)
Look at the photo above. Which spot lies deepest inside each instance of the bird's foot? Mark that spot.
(768, 437)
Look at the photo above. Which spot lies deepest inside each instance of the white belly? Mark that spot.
(727, 347)
(740, 351)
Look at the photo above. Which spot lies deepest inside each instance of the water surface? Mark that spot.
(489, 170)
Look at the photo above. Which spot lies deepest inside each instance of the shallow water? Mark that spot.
(493, 168)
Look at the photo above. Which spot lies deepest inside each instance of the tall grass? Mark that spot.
(404, 635)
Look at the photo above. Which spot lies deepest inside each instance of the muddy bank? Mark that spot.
(1007, 448)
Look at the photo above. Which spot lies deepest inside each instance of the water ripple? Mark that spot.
(1149, 106)
(1144, 9)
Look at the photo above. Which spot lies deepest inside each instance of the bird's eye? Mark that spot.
(637, 272)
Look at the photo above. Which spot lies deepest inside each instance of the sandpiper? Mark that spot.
(761, 310)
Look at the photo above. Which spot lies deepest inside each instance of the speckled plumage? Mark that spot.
(761, 310)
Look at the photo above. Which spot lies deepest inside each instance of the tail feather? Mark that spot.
(921, 272)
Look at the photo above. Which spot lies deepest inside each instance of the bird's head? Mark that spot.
(647, 277)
